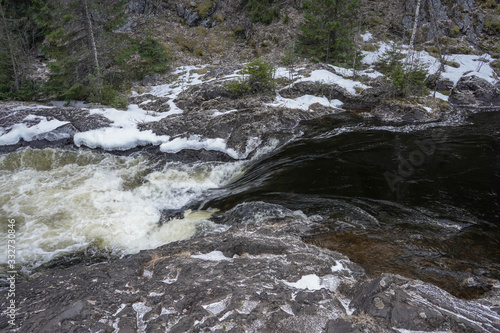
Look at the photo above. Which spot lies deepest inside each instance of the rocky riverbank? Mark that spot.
(255, 277)
(194, 110)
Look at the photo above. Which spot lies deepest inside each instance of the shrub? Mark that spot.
(389, 59)
(407, 79)
(237, 87)
(257, 78)
(260, 75)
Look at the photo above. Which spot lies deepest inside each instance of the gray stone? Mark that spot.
(151, 80)
(474, 91)
(340, 326)
(407, 304)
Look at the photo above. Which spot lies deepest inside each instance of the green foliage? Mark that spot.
(263, 10)
(258, 78)
(137, 59)
(260, 75)
(237, 87)
(406, 79)
(77, 92)
(389, 59)
(122, 59)
(327, 33)
(286, 20)
(19, 35)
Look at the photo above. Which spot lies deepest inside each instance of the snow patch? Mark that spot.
(122, 306)
(217, 307)
(314, 282)
(114, 138)
(287, 308)
(469, 64)
(441, 96)
(367, 36)
(304, 102)
(141, 310)
(328, 77)
(211, 256)
(22, 131)
(338, 267)
(153, 294)
(147, 274)
(196, 142)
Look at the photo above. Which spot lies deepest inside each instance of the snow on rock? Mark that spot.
(211, 256)
(28, 133)
(324, 76)
(216, 307)
(367, 36)
(113, 138)
(314, 282)
(141, 309)
(304, 102)
(196, 142)
(469, 64)
(441, 96)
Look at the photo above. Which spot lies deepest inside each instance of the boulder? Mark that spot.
(404, 112)
(413, 305)
(474, 91)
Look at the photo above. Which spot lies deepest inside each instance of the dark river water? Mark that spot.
(421, 201)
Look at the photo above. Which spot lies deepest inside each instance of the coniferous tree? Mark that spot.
(328, 30)
(90, 58)
(19, 37)
(263, 10)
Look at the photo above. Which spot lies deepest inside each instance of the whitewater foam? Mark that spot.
(64, 202)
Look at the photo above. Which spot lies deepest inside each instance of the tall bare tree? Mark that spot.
(94, 48)
(409, 56)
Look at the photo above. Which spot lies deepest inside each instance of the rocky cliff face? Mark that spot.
(206, 31)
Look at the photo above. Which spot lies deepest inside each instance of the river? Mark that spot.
(417, 200)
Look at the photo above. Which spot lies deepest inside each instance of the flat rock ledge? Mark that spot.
(255, 277)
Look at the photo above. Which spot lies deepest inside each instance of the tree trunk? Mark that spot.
(94, 48)
(11, 52)
(412, 40)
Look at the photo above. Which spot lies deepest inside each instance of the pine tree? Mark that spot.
(328, 30)
(19, 37)
(263, 10)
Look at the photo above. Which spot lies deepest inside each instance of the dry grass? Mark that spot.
(155, 258)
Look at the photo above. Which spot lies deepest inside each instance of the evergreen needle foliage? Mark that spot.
(328, 31)
(258, 78)
(263, 10)
(407, 79)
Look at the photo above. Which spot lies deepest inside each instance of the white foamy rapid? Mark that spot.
(64, 202)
